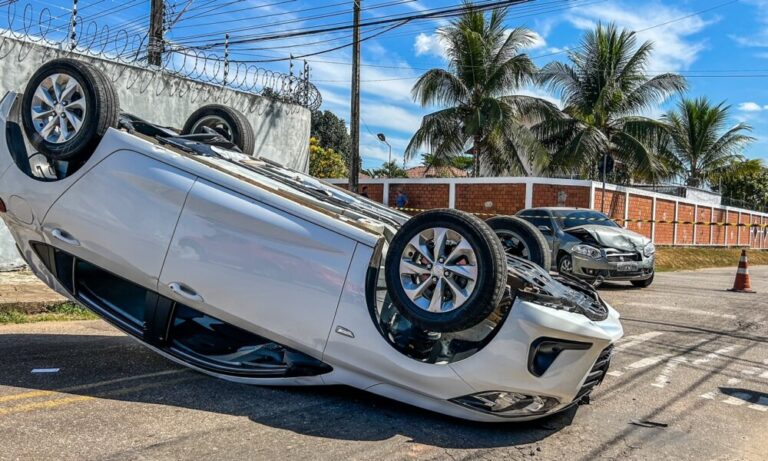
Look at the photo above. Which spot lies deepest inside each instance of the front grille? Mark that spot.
(596, 374)
(623, 257)
(637, 273)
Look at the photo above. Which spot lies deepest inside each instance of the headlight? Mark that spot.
(587, 250)
(649, 250)
(508, 403)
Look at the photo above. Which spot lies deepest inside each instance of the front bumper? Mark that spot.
(589, 268)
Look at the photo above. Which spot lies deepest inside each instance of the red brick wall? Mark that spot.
(422, 196)
(733, 231)
(685, 231)
(613, 205)
(665, 211)
(640, 207)
(547, 195)
(744, 231)
(375, 191)
(703, 231)
(718, 231)
(504, 198)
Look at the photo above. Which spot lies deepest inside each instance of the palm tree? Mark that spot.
(478, 111)
(702, 144)
(604, 89)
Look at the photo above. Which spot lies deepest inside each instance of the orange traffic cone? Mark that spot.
(742, 283)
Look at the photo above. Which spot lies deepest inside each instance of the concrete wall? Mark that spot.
(282, 130)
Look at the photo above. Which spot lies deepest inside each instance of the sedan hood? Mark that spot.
(610, 237)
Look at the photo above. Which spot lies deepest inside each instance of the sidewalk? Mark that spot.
(22, 291)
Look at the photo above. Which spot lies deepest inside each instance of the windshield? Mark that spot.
(573, 218)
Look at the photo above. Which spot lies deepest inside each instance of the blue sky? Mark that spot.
(721, 46)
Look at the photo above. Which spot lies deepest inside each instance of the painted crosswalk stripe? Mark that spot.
(686, 310)
(629, 342)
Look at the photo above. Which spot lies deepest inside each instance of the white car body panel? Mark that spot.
(271, 269)
(263, 260)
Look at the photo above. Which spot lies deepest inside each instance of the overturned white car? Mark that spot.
(242, 269)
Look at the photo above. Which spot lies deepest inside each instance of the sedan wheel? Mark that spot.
(445, 271)
(566, 265)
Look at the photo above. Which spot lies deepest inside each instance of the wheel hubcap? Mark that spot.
(513, 244)
(58, 108)
(215, 123)
(438, 270)
(565, 265)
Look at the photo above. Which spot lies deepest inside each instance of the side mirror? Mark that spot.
(545, 229)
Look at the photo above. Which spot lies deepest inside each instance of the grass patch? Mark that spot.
(59, 313)
(678, 259)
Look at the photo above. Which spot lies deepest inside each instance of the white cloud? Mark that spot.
(674, 47)
(429, 44)
(392, 117)
(761, 39)
(752, 107)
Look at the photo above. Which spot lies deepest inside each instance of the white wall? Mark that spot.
(282, 130)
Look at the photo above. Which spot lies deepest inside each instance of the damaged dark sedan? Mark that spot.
(590, 245)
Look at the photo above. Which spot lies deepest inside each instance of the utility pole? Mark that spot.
(156, 24)
(354, 124)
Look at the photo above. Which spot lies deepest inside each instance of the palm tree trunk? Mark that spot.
(476, 154)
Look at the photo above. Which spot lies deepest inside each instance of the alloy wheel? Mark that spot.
(58, 108)
(438, 270)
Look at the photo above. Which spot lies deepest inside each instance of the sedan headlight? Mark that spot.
(587, 250)
(508, 403)
(649, 250)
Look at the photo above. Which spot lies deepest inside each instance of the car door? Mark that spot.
(116, 222)
(257, 267)
(542, 219)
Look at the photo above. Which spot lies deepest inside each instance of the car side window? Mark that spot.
(539, 218)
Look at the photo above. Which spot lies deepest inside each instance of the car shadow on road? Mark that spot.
(117, 368)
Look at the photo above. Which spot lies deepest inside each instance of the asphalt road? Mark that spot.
(688, 381)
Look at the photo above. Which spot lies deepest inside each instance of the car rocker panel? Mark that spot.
(249, 272)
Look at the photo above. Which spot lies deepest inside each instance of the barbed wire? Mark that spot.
(129, 46)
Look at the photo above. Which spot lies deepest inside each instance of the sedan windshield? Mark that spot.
(573, 218)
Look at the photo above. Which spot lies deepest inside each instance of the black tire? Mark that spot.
(525, 232)
(102, 110)
(560, 260)
(240, 131)
(643, 283)
(490, 280)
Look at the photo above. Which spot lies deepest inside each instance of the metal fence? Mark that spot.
(36, 24)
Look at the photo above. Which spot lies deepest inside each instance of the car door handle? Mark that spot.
(64, 236)
(185, 292)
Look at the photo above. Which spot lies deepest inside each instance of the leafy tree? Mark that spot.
(475, 94)
(325, 163)
(387, 170)
(744, 181)
(331, 132)
(701, 143)
(605, 88)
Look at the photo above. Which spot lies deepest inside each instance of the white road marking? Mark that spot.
(615, 373)
(708, 396)
(663, 379)
(715, 355)
(751, 371)
(733, 381)
(764, 375)
(686, 310)
(648, 361)
(632, 341)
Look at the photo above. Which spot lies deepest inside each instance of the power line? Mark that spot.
(441, 13)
